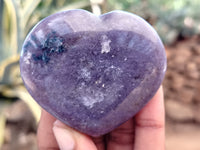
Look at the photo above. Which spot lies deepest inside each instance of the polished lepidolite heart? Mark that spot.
(92, 72)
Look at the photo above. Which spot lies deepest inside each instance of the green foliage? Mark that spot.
(2, 128)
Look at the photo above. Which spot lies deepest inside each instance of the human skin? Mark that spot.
(145, 131)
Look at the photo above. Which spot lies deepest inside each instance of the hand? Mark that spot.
(145, 131)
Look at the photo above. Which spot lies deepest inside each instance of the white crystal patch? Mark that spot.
(85, 73)
(90, 99)
(105, 44)
(27, 58)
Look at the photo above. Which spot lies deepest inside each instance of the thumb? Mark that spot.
(70, 139)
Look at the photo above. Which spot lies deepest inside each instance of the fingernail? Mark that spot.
(63, 136)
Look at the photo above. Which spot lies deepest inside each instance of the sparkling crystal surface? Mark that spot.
(92, 72)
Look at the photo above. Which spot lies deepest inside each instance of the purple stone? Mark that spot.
(92, 72)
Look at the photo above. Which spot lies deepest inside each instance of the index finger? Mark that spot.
(45, 137)
(150, 125)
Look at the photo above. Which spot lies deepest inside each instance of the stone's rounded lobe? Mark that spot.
(92, 72)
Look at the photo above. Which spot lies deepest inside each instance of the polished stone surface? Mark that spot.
(92, 72)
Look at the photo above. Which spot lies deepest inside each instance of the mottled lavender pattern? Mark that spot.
(93, 73)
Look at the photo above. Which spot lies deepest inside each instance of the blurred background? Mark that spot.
(176, 21)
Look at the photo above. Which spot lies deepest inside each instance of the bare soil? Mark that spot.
(182, 95)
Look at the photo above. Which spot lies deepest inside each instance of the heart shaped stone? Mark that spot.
(92, 72)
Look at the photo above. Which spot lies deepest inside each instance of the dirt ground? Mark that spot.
(182, 95)
(182, 103)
